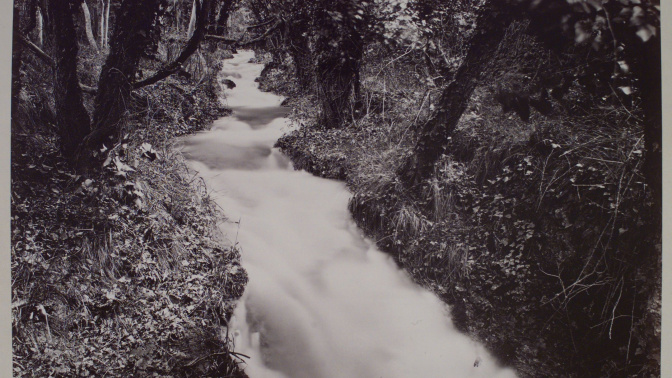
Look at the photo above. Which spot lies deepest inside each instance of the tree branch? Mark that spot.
(218, 38)
(36, 50)
(262, 37)
(49, 60)
(189, 49)
(264, 23)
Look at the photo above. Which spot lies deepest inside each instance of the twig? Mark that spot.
(632, 323)
(230, 353)
(613, 311)
(33, 47)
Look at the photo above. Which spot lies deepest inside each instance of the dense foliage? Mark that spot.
(520, 180)
(118, 264)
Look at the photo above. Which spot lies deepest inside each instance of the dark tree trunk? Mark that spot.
(222, 18)
(132, 35)
(491, 25)
(72, 119)
(299, 50)
(338, 53)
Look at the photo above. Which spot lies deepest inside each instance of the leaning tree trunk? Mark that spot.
(132, 34)
(491, 24)
(192, 19)
(40, 28)
(72, 119)
(87, 25)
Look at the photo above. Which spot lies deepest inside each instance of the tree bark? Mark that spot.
(222, 18)
(491, 24)
(338, 52)
(131, 36)
(192, 19)
(106, 24)
(299, 50)
(72, 119)
(101, 23)
(40, 28)
(87, 25)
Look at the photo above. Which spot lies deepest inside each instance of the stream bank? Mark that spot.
(124, 273)
(322, 300)
(484, 237)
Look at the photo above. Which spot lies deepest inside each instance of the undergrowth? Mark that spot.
(124, 273)
(540, 234)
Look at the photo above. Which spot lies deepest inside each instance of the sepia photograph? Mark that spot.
(335, 188)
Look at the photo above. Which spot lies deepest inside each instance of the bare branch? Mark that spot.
(264, 23)
(218, 38)
(38, 51)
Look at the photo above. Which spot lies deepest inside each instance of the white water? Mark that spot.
(322, 301)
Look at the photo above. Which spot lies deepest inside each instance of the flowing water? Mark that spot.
(321, 301)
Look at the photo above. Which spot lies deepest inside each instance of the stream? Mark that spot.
(322, 300)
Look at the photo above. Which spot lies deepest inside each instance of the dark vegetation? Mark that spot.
(505, 153)
(118, 264)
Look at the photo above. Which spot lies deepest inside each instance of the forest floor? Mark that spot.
(477, 234)
(124, 273)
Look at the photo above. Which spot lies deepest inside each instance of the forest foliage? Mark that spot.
(506, 153)
(118, 264)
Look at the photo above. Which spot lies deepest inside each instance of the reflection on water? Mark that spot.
(322, 301)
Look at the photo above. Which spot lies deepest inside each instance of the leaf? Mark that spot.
(646, 32)
(626, 90)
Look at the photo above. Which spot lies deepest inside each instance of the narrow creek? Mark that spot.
(321, 301)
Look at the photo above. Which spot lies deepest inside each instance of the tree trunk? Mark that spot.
(101, 23)
(87, 25)
(491, 24)
(131, 36)
(299, 50)
(222, 18)
(192, 19)
(338, 53)
(72, 120)
(40, 28)
(106, 25)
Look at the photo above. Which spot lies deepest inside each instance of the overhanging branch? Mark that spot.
(218, 38)
(189, 49)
